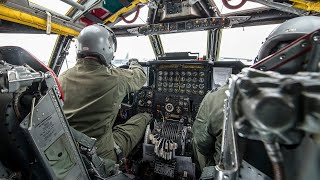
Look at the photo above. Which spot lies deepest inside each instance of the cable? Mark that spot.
(229, 6)
(134, 18)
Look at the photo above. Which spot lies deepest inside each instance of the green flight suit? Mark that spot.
(207, 128)
(93, 96)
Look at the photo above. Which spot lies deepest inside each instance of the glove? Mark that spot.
(133, 61)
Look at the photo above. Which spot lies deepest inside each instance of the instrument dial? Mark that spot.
(195, 79)
(201, 74)
(189, 79)
(201, 86)
(188, 85)
(201, 80)
(165, 84)
(170, 79)
(160, 73)
(171, 73)
(195, 73)
(159, 84)
(201, 92)
(183, 73)
(189, 73)
(165, 73)
(160, 78)
(183, 79)
(170, 84)
(177, 73)
(195, 86)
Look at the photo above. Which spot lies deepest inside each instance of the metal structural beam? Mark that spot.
(10, 27)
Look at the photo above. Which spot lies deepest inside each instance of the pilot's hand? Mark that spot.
(133, 61)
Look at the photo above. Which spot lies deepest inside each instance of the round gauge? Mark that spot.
(149, 94)
(169, 107)
(165, 84)
(195, 79)
(160, 78)
(165, 78)
(194, 91)
(189, 73)
(177, 73)
(170, 79)
(165, 89)
(176, 85)
(149, 103)
(159, 89)
(189, 79)
(201, 92)
(201, 80)
(183, 85)
(140, 103)
(183, 73)
(165, 73)
(183, 79)
(170, 90)
(176, 90)
(188, 91)
(171, 73)
(201, 74)
(171, 84)
(195, 73)
(201, 86)
(182, 91)
(195, 86)
(159, 84)
(188, 85)
(160, 73)
(176, 79)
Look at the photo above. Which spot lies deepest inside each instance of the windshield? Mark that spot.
(243, 43)
(195, 42)
(39, 45)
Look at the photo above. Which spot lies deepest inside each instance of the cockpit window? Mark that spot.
(243, 43)
(133, 47)
(54, 5)
(39, 45)
(194, 42)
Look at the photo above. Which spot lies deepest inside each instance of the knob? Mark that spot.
(169, 107)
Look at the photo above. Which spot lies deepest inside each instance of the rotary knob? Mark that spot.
(169, 107)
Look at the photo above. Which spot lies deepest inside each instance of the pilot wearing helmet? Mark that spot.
(207, 128)
(94, 91)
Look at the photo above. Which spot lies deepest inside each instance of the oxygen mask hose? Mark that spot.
(276, 158)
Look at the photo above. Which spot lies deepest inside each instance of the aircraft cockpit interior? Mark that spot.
(189, 50)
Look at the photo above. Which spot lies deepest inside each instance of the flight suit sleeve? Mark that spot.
(132, 79)
(207, 127)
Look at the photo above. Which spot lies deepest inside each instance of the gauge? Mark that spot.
(201, 86)
(189, 79)
(194, 91)
(189, 73)
(140, 103)
(195, 86)
(195, 73)
(201, 80)
(183, 85)
(170, 79)
(171, 84)
(160, 73)
(159, 84)
(165, 73)
(171, 73)
(177, 73)
(183, 79)
(159, 89)
(195, 79)
(149, 103)
(165, 89)
(183, 73)
(182, 91)
(170, 90)
(176, 90)
(188, 91)
(165, 84)
(201, 74)
(160, 78)
(165, 78)
(176, 79)
(169, 107)
(201, 92)
(176, 85)
(149, 94)
(188, 85)
(141, 94)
